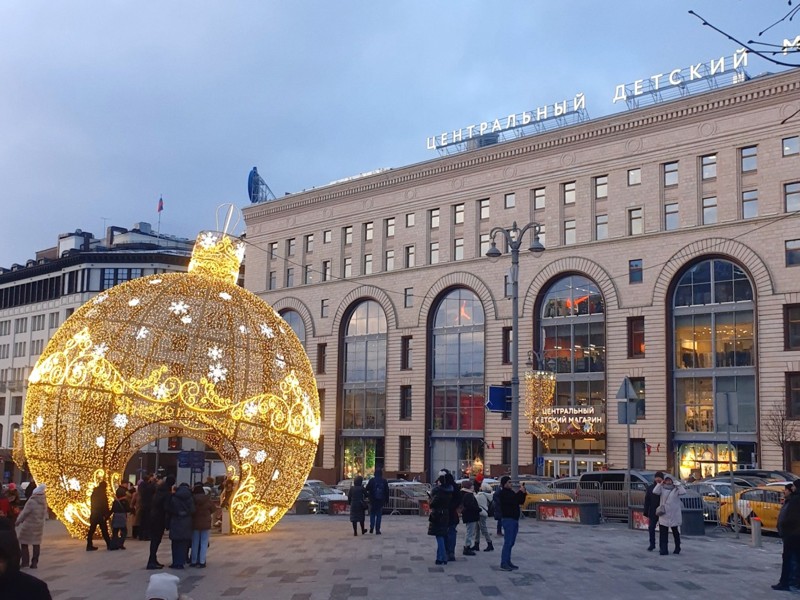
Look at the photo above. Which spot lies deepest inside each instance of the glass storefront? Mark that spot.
(361, 456)
(706, 459)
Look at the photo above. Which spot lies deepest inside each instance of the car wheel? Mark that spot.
(742, 524)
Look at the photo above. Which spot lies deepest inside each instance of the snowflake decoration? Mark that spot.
(208, 240)
(243, 330)
(100, 299)
(217, 372)
(250, 409)
(100, 441)
(120, 421)
(160, 391)
(267, 331)
(37, 426)
(225, 295)
(279, 361)
(186, 319)
(155, 281)
(133, 302)
(244, 453)
(71, 484)
(261, 456)
(215, 353)
(178, 307)
(142, 333)
(275, 475)
(100, 350)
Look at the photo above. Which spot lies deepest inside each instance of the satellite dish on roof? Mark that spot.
(257, 188)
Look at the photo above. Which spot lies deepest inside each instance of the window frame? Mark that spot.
(510, 200)
(792, 389)
(598, 224)
(536, 196)
(601, 183)
(484, 209)
(634, 176)
(709, 167)
(635, 271)
(570, 231)
(707, 209)
(669, 213)
(634, 219)
(792, 253)
(748, 202)
(794, 194)
(406, 352)
(792, 150)
(636, 337)
(569, 192)
(745, 160)
(670, 171)
(787, 326)
(458, 213)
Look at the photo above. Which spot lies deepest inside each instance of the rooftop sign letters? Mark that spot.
(574, 421)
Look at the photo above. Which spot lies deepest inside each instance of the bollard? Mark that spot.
(755, 532)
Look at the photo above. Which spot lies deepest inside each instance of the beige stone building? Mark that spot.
(672, 257)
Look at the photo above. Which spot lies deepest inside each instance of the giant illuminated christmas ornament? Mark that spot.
(188, 352)
(539, 388)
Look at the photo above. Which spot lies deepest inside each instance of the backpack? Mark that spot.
(379, 485)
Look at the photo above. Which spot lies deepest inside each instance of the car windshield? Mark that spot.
(534, 487)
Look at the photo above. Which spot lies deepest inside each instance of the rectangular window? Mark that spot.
(791, 145)
(601, 187)
(638, 384)
(672, 219)
(36, 347)
(792, 253)
(635, 337)
(2, 410)
(433, 218)
(16, 405)
(485, 243)
(5, 328)
(635, 271)
(483, 208)
(348, 234)
(709, 210)
(510, 200)
(367, 264)
(569, 232)
(405, 402)
(389, 227)
(709, 166)
(410, 220)
(406, 352)
(388, 260)
(322, 358)
(568, 192)
(327, 236)
(53, 320)
(636, 221)
(37, 323)
(291, 245)
(19, 349)
(634, 177)
(791, 326)
(368, 231)
(750, 204)
(306, 274)
(791, 196)
(749, 159)
(538, 199)
(174, 442)
(273, 249)
(505, 452)
(326, 270)
(793, 395)
(458, 214)
(408, 297)
(601, 227)
(5, 349)
(670, 173)
(21, 325)
(458, 249)
(405, 453)
(508, 338)
(347, 267)
(433, 253)
(290, 277)
(542, 236)
(324, 307)
(408, 259)
(309, 243)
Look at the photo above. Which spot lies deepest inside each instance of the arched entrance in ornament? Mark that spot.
(192, 352)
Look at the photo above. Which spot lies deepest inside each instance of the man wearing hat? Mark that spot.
(510, 501)
(650, 505)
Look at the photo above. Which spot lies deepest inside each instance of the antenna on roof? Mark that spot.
(257, 188)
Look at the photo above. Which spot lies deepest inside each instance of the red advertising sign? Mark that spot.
(639, 520)
(338, 507)
(569, 514)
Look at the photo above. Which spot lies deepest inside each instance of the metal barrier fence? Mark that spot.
(614, 498)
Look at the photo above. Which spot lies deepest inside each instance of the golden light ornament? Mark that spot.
(190, 351)
(539, 388)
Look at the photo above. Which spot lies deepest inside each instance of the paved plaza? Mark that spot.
(316, 557)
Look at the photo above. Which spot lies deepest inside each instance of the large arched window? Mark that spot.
(572, 343)
(713, 354)
(364, 389)
(295, 321)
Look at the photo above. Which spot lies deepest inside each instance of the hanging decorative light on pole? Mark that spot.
(513, 237)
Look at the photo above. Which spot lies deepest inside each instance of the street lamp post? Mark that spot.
(513, 237)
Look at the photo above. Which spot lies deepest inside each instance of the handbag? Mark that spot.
(661, 509)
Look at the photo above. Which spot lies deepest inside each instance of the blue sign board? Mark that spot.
(499, 398)
(191, 459)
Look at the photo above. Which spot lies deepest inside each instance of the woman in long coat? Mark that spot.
(30, 526)
(201, 525)
(181, 509)
(356, 496)
(439, 519)
(672, 516)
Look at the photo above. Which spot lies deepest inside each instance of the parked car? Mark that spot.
(713, 492)
(306, 503)
(744, 482)
(565, 485)
(538, 492)
(763, 502)
(766, 474)
(323, 493)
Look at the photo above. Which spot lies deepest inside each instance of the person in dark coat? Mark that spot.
(453, 510)
(181, 509)
(510, 501)
(439, 518)
(13, 582)
(144, 503)
(470, 514)
(651, 502)
(498, 514)
(201, 525)
(356, 496)
(99, 516)
(119, 518)
(158, 519)
(378, 492)
(789, 527)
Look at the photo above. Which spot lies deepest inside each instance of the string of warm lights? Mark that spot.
(191, 351)
(539, 388)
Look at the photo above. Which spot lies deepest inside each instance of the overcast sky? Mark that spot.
(105, 104)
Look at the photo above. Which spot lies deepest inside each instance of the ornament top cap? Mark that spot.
(217, 255)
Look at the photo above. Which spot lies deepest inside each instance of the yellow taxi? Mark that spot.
(763, 502)
(539, 492)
